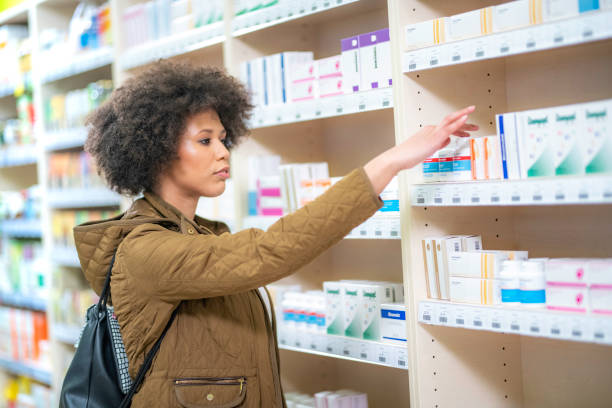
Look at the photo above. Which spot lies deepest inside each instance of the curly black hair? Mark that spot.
(134, 135)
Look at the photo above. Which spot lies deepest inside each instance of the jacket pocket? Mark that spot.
(213, 392)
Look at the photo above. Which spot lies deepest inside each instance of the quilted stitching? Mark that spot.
(156, 268)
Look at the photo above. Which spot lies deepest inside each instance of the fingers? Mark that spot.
(461, 133)
(470, 127)
(457, 115)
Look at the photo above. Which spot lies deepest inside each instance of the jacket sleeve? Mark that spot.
(174, 266)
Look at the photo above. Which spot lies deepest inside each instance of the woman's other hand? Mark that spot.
(417, 148)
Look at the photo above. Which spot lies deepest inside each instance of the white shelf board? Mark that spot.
(15, 14)
(20, 155)
(363, 351)
(83, 198)
(373, 228)
(178, 44)
(66, 256)
(66, 333)
(19, 368)
(6, 90)
(585, 28)
(22, 228)
(595, 189)
(23, 302)
(322, 108)
(279, 14)
(79, 64)
(65, 139)
(588, 328)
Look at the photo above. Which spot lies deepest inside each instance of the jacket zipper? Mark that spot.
(272, 349)
(213, 381)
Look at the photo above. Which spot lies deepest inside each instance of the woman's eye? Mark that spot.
(205, 142)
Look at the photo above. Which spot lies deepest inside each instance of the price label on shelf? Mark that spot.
(350, 348)
(460, 318)
(479, 48)
(444, 315)
(480, 318)
(419, 196)
(386, 97)
(556, 327)
(602, 329)
(414, 61)
(426, 314)
(458, 194)
(498, 321)
(383, 356)
(580, 329)
(533, 324)
(515, 322)
(434, 56)
(334, 345)
(455, 53)
(402, 357)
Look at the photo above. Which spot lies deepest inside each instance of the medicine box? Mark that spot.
(393, 323)
(445, 163)
(334, 319)
(511, 15)
(468, 25)
(597, 136)
(431, 168)
(361, 308)
(424, 34)
(601, 299)
(329, 67)
(558, 9)
(462, 161)
(330, 86)
(430, 264)
(509, 148)
(493, 158)
(567, 271)
(475, 290)
(351, 64)
(375, 56)
(481, 264)
(478, 156)
(567, 298)
(536, 143)
(444, 247)
(304, 90)
(568, 141)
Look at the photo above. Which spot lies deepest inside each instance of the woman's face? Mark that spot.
(203, 160)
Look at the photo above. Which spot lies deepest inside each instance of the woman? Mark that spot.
(167, 133)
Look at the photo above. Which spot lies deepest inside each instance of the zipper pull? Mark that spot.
(241, 384)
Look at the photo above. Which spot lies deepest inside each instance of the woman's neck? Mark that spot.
(177, 197)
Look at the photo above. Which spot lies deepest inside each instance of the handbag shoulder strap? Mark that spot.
(146, 365)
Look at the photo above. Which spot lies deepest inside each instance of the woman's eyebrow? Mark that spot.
(211, 131)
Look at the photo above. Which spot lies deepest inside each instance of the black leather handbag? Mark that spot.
(98, 374)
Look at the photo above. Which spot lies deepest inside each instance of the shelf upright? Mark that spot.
(450, 366)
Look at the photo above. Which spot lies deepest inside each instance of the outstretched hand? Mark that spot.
(418, 147)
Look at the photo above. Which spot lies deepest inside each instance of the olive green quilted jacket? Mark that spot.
(221, 350)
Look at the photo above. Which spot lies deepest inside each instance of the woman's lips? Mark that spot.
(223, 173)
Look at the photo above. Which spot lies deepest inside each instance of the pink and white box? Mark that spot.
(567, 286)
(599, 274)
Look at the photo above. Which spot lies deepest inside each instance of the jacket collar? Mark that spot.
(167, 210)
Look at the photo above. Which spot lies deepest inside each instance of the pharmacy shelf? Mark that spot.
(527, 322)
(6, 90)
(83, 198)
(16, 14)
(182, 43)
(279, 14)
(579, 30)
(65, 139)
(363, 351)
(322, 108)
(22, 155)
(23, 302)
(544, 191)
(66, 333)
(26, 370)
(373, 228)
(22, 228)
(66, 256)
(79, 64)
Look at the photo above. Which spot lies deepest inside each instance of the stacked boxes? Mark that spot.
(73, 170)
(364, 64)
(157, 19)
(579, 285)
(558, 141)
(24, 335)
(302, 183)
(496, 19)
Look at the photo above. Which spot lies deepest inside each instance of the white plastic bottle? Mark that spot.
(533, 283)
(511, 284)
